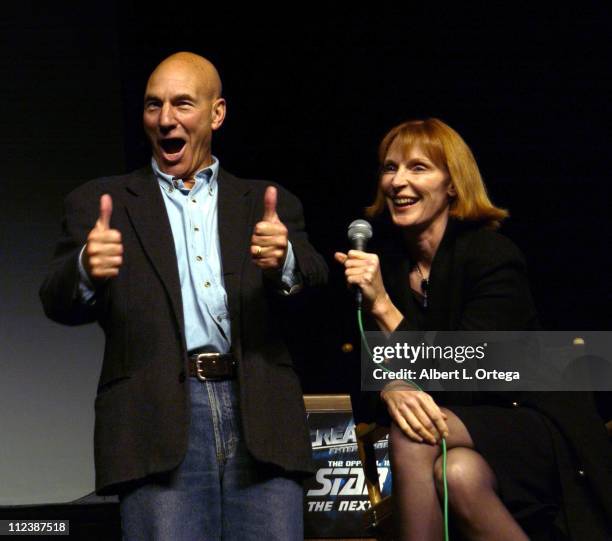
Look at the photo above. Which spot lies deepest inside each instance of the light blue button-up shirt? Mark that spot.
(193, 220)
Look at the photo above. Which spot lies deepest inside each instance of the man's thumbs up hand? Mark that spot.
(270, 237)
(103, 254)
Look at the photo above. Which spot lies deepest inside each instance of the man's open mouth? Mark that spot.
(171, 146)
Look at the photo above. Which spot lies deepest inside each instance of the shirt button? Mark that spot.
(193, 201)
(581, 473)
(207, 284)
(219, 319)
(171, 189)
(196, 228)
(210, 191)
(198, 258)
(515, 404)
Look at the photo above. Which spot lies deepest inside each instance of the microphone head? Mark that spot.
(359, 229)
(359, 233)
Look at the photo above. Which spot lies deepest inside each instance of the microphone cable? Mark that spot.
(365, 344)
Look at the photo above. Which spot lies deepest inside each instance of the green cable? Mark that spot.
(446, 535)
(416, 386)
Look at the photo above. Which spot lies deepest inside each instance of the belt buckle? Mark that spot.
(200, 359)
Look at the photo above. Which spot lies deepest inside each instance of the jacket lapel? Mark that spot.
(234, 208)
(442, 285)
(235, 205)
(147, 213)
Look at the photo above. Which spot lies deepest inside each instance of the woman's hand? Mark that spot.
(363, 270)
(415, 412)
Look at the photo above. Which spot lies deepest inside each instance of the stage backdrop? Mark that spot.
(61, 124)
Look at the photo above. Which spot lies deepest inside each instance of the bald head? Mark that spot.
(182, 108)
(202, 70)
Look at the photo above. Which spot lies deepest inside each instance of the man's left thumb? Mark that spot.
(270, 205)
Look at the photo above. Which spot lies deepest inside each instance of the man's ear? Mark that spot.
(218, 113)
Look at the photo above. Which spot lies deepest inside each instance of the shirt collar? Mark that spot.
(207, 176)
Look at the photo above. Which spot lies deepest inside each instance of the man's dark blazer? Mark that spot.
(142, 406)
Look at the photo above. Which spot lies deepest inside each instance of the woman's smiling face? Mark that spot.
(417, 191)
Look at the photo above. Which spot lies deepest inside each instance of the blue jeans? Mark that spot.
(219, 492)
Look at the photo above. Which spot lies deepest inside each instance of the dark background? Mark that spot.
(310, 94)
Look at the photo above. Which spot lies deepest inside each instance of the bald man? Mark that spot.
(190, 271)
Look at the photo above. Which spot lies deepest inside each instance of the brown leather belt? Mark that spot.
(212, 366)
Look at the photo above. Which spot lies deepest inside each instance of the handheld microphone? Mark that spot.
(359, 233)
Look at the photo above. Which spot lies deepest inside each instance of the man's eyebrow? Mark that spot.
(178, 97)
(182, 97)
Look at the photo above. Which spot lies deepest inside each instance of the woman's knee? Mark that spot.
(467, 473)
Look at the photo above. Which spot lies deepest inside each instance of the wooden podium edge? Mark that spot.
(327, 402)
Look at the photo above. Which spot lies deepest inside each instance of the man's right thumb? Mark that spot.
(106, 210)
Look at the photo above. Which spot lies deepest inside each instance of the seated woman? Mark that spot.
(530, 466)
